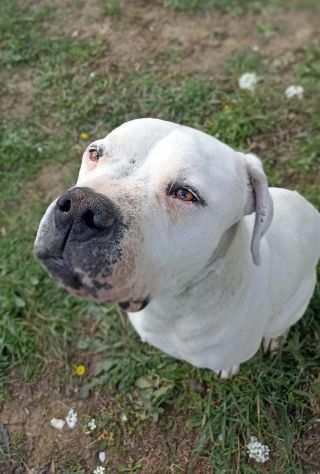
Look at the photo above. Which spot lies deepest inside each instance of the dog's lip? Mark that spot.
(58, 267)
(57, 260)
(44, 254)
(56, 263)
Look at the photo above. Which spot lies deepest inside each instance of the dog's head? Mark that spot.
(152, 202)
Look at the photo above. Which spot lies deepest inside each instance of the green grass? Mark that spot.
(237, 7)
(111, 7)
(233, 6)
(272, 398)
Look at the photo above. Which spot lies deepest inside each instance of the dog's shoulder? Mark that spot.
(295, 229)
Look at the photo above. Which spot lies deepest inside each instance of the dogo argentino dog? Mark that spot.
(185, 234)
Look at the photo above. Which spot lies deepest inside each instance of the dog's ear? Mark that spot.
(259, 201)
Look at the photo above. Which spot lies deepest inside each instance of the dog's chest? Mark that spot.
(215, 333)
(212, 341)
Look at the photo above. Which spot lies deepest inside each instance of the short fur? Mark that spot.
(220, 277)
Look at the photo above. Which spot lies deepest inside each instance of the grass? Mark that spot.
(272, 398)
(111, 7)
(236, 7)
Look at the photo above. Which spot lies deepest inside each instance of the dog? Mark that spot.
(184, 234)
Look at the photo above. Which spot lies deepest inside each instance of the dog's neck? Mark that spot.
(188, 323)
(225, 271)
(215, 262)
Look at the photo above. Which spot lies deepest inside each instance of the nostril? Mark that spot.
(88, 218)
(97, 220)
(64, 205)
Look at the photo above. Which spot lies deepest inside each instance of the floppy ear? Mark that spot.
(259, 201)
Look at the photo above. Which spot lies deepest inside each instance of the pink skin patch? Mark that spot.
(105, 290)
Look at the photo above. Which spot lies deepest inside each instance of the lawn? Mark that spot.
(70, 72)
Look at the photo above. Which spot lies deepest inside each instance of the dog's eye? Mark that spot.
(93, 155)
(95, 152)
(185, 194)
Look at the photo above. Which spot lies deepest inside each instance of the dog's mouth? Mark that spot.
(58, 268)
(134, 306)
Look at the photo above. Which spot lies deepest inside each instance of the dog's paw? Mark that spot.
(271, 345)
(228, 373)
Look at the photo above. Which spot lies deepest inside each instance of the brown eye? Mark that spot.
(93, 155)
(95, 152)
(185, 195)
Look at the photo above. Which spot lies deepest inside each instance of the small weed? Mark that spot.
(267, 30)
(13, 453)
(111, 7)
(244, 61)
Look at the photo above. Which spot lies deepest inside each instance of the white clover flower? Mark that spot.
(72, 418)
(248, 81)
(57, 423)
(294, 91)
(102, 456)
(258, 451)
(92, 424)
(99, 470)
(124, 418)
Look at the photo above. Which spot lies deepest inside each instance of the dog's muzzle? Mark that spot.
(80, 242)
(82, 228)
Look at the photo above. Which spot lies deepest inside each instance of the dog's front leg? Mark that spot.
(271, 345)
(228, 373)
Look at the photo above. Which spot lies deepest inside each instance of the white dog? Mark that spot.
(184, 233)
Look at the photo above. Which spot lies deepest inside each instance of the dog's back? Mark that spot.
(298, 222)
(294, 237)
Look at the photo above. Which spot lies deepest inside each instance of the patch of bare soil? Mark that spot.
(149, 447)
(195, 43)
(155, 450)
(28, 412)
(309, 446)
(147, 32)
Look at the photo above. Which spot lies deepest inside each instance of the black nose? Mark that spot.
(85, 213)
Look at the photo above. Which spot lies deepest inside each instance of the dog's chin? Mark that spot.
(81, 286)
(130, 305)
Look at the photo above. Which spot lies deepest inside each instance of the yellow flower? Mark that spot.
(80, 370)
(84, 136)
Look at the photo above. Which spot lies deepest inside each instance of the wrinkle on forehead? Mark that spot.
(135, 138)
(138, 149)
(177, 158)
(126, 148)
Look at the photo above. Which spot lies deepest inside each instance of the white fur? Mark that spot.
(223, 277)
